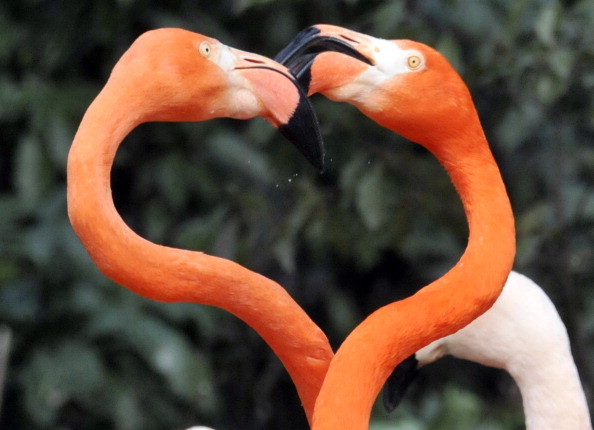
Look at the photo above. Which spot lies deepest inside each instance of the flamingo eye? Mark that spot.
(205, 49)
(414, 62)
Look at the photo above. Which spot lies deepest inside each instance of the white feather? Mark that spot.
(523, 334)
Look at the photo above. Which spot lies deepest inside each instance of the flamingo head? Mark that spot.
(403, 85)
(175, 75)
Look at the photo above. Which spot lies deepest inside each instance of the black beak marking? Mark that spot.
(303, 128)
(300, 53)
(296, 46)
(398, 382)
(303, 131)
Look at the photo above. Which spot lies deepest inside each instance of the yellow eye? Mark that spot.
(414, 62)
(205, 48)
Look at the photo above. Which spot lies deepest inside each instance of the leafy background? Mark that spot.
(382, 222)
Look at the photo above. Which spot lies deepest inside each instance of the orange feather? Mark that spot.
(412, 90)
(176, 75)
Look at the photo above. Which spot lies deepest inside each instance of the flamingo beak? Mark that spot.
(301, 52)
(398, 382)
(303, 130)
(292, 113)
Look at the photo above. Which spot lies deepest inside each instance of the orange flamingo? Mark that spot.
(176, 75)
(412, 90)
(523, 334)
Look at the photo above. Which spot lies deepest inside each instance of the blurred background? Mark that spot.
(383, 221)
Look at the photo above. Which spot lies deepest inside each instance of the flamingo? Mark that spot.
(176, 75)
(523, 334)
(411, 89)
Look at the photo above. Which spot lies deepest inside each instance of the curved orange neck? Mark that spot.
(169, 274)
(394, 332)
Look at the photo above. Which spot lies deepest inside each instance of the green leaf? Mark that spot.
(57, 376)
(58, 135)
(29, 169)
(546, 22)
(371, 197)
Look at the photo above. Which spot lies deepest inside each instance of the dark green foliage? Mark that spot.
(383, 221)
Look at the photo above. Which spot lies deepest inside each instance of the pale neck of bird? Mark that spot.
(394, 332)
(552, 394)
(168, 274)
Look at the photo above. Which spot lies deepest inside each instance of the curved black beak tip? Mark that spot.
(398, 382)
(303, 131)
(297, 45)
(300, 53)
(298, 56)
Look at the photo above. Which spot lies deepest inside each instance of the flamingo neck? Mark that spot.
(394, 332)
(168, 274)
(552, 394)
